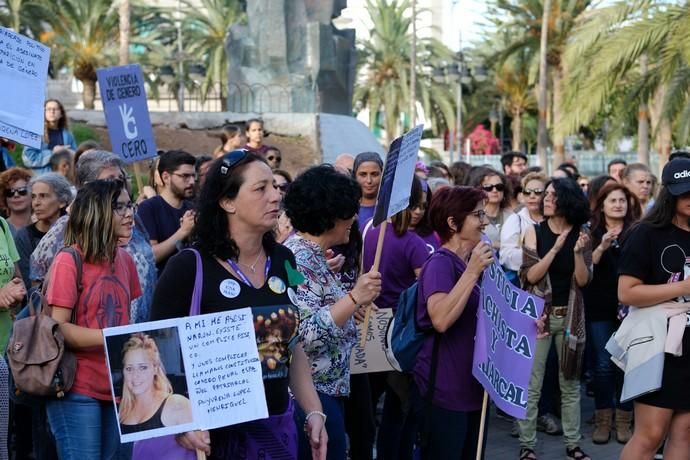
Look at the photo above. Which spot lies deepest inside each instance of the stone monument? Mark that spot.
(290, 58)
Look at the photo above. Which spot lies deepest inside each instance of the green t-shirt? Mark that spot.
(8, 257)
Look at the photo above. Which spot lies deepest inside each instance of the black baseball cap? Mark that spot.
(676, 176)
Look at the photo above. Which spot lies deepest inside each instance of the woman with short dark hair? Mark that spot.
(447, 397)
(322, 205)
(556, 265)
(244, 266)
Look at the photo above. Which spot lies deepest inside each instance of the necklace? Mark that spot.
(252, 267)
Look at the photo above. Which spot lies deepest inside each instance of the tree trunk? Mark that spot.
(516, 127)
(543, 135)
(643, 122)
(558, 134)
(413, 67)
(665, 143)
(89, 93)
(124, 32)
(660, 126)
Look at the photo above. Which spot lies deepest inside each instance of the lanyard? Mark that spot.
(244, 277)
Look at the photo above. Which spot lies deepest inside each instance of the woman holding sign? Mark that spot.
(556, 265)
(448, 397)
(322, 204)
(56, 136)
(83, 422)
(244, 266)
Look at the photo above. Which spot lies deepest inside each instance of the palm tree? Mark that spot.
(23, 16)
(517, 92)
(524, 20)
(615, 40)
(385, 63)
(206, 25)
(85, 36)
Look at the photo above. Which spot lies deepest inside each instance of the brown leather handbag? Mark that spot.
(36, 353)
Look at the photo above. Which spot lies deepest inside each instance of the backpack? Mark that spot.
(404, 337)
(36, 354)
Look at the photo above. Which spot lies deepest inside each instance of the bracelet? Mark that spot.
(353, 301)
(314, 412)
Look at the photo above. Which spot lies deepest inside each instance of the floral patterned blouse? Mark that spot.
(327, 345)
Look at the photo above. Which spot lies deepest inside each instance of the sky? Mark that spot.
(471, 15)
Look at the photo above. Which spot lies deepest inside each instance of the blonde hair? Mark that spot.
(161, 384)
(533, 176)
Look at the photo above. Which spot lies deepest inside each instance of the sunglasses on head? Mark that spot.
(497, 187)
(230, 160)
(21, 191)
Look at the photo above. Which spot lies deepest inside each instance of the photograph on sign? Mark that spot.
(177, 375)
(126, 112)
(23, 74)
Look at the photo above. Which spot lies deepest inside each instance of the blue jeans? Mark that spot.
(334, 408)
(83, 427)
(608, 378)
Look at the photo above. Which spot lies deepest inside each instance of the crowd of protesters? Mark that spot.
(302, 249)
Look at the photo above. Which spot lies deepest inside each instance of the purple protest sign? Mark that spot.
(126, 112)
(505, 341)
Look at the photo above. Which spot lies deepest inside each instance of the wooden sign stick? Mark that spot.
(200, 454)
(482, 426)
(375, 267)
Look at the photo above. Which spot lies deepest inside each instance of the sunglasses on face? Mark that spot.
(230, 160)
(21, 191)
(283, 187)
(277, 159)
(532, 191)
(497, 187)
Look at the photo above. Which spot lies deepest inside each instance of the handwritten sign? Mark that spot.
(396, 183)
(372, 356)
(126, 112)
(220, 369)
(505, 340)
(23, 73)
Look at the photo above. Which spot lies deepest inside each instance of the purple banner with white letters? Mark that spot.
(505, 340)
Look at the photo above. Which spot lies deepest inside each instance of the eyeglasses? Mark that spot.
(186, 177)
(230, 160)
(276, 159)
(121, 208)
(283, 187)
(479, 214)
(21, 191)
(533, 191)
(497, 187)
(55, 109)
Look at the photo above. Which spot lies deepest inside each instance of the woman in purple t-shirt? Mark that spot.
(449, 398)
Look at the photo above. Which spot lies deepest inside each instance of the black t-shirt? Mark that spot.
(55, 138)
(161, 220)
(601, 294)
(563, 265)
(275, 316)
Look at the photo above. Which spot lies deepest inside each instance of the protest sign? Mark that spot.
(505, 340)
(23, 74)
(372, 356)
(126, 112)
(211, 362)
(396, 183)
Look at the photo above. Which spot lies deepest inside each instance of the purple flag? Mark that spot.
(505, 342)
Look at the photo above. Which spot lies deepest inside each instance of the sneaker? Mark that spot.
(548, 424)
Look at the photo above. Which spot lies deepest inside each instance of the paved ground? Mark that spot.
(501, 446)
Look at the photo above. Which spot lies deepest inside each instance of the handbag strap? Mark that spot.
(78, 264)
(195, 306)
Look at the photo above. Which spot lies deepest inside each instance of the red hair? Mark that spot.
(456, 202)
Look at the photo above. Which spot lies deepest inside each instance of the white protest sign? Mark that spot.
(210, 361)
(23, 73)
(372, 356)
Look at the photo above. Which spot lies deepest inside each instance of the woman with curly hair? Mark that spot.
(322, 204)
(148, 401)
(556, 265)
(16, 197)
(243, 265)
